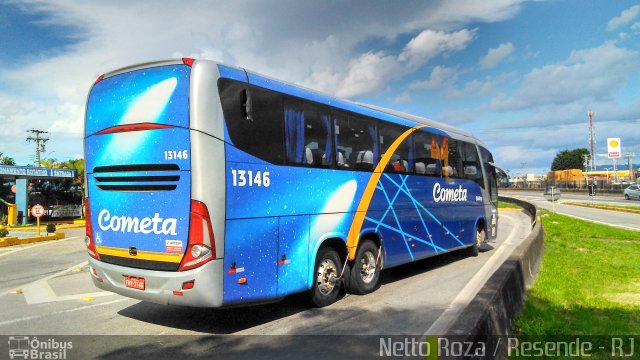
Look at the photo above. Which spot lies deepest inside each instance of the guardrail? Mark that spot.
(491, 314)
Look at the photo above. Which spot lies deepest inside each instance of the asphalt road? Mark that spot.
(609, 217)
(45, 289)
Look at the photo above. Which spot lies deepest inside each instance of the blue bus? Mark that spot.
(212, 186)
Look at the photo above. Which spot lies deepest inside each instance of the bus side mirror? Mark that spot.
(247, 106)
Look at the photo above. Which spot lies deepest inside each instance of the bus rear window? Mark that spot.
(158, 95)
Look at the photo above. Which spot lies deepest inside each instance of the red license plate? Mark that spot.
(134, 282)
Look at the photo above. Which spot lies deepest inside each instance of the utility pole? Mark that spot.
(592, 140)
(586, 164)
(629, 155)
(40, 141)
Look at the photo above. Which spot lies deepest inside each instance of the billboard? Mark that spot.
(613, 148)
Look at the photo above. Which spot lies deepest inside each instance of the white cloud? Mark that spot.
(403, 98)
(587, 75)
(368, 73)
(441, 77)
(496, 55)
(429, 44)
(624, 18)
(308, 43)
(371, 71)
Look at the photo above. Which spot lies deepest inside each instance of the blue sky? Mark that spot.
(521, 75)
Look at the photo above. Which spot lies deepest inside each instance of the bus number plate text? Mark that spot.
(250, 178)
(134, 282)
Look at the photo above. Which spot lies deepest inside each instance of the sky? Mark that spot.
(520, 75)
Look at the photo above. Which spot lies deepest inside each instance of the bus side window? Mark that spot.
(472, 169)
(355, 143)
(490, 172)
(429, 156)
(308, 135)
(401, 159)
(256, 127)
(456, 154)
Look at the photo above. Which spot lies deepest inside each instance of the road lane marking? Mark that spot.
(36, 245)
(13, 321)
(464, 297)
(600, 222)
(39, 291)
(560, 211)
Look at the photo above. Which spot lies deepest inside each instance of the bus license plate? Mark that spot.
(134, 282)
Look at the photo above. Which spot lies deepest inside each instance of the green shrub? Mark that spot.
(3, 232)
(51, 228)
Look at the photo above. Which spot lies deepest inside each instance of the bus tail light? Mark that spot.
(202, 247)
(88, 240)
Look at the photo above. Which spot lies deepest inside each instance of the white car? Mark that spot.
(632, 192)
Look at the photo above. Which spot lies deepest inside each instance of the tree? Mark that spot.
(5, 160)
(61, 191)
(569, 159)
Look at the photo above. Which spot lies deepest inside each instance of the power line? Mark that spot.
(40, 141)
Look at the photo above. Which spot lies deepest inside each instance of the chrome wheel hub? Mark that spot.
(367, 267)
(327, 276)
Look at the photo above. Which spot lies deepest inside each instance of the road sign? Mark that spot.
(613, 148)
(37, 210)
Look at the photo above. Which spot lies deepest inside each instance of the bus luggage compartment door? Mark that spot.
(250, 260)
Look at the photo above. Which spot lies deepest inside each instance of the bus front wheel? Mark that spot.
(474, 250)
(326, 284)
(365, 271)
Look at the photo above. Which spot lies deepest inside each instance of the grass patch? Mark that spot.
(589, 283)
(507, 205)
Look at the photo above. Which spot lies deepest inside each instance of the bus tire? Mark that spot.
(365, 270)
(480, 237)
(326, 283)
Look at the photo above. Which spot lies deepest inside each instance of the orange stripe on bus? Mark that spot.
(141, 255)
(356, 226)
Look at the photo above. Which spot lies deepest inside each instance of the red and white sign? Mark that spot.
(173, 246)
(613, 148)
(37, 210)
(134, 282)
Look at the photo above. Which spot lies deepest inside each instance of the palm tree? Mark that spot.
(5, 160)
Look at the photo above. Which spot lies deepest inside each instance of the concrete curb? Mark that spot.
(494, 308)
(12, 240)
(75, 225)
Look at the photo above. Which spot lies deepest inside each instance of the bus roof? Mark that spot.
(254, 78)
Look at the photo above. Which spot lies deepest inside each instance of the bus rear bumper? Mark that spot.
(164, 287)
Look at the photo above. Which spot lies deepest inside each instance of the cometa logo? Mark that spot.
(441, 194)
(127, 224)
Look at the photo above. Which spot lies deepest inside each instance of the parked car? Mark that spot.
(632, 192)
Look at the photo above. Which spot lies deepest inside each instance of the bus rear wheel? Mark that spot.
(326, 285)
(365, 271)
